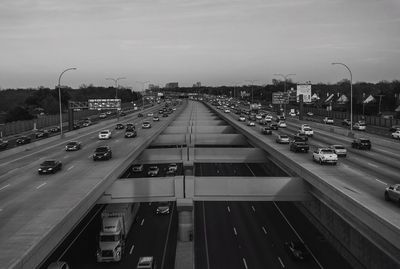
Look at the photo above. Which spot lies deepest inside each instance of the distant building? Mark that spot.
(153, 87)
(172, 85)
(197, 85)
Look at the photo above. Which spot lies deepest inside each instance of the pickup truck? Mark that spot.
(298, 146)
(325, 155)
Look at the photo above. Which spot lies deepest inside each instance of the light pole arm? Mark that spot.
(59, 98)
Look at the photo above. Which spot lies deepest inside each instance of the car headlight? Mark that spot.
(40, 169)
(50, 168)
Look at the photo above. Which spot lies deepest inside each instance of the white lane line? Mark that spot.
(141, 224)
(254, 209)
(205, 236)
(70, 168)
(167, 238)
(380, 181)
(6, 186)
(264, 230)
(130, 252)
(298, 236)
(228, 208)
(234, 231)
(245, 263)
(66, 156)
(281, 262)
(373, 165)
(41, 185)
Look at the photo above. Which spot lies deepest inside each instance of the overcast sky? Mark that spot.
(217, 42)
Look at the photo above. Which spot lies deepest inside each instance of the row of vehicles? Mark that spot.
(154, 170)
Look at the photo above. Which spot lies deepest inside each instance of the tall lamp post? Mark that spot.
(252, 83)
(116, 84)
(143, 84)
(351, 95)
(59, 99)
(285, 77)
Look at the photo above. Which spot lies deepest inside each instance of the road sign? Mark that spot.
(100, 104)
(280, 98)
(305, 90)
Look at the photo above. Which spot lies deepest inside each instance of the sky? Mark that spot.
(216, 42)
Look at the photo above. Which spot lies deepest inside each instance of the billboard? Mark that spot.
(305, 90)
(103, 104)
(280, 98)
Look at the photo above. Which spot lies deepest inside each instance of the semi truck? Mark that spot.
(116, 221)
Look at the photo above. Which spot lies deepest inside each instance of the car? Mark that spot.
(3, 144)
(165, 115)
(282, 139)
(297, 250)
(58, 265)
(119, 126)
(258, 117)
(153, 171)
(163, 208)
(282, 124)
(392, 193)
(146, 125)
(394, 128)
(147, 262)
(140, 115)
(55, 129)
(49, 166)
(172, 167)
(340, 150)
(251, 123)
(241, 118)
(328, 120)
(325, 155)
(102, 153)
(292, 114)
(160, 111)
(23, 140)
(310, 114)
(360, 126)
(103, 115)
(280, 118)
(298, 146)
(361, 143)
(42, 134)
(268, 118)
(137, 168)
(346, 122)
(150, 114)
(73, 145)
(155, 118)
(122, 114)
(109, 112)
(273, 126)
(307, 131)
(105, 134)
(227, 111)
(86, 123)
(130, 133)
(300, 137)
(76, 126)
(266, 130)
(130, 126)
(396, 135)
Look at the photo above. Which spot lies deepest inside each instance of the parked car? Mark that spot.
(49, 166)
(119, 126)
(73, 145)
(282, 139)
(266, 130)
(346, 122)
(396, 135)
(105, 134)
(325, 155)
(3, 144)
(392, 193)
(297, 250)
(102, 153)
(146, 125)
(153, 171)
(328, 120)
(360, 126)
(23, 140)
(137, 168)
(42, 134)
(340, 150)
(298, 146)
(361, 143)
(163, 208)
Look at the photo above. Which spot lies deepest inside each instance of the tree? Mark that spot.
(18, 113)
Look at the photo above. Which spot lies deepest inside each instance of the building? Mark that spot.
(171, 85)
(197, 85)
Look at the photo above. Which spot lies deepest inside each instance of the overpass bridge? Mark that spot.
(195, 137)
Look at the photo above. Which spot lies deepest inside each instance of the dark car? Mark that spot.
(122, 114)
(273, 126)
(394, 128)
(130, 133)
(3, 144)
(76, 126)
(23, 140)
(266, 130)
(73, 145)
(297, 250)
(102, 153)
(300, 137)
(298, 146)
(49, 167)
(361, 143)
(140, 115)
(55, 129)
(119, 126)
(41, 134)
(165, 115)
(163, 208)
(346, 122)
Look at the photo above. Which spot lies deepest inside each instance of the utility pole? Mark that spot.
(380, 101)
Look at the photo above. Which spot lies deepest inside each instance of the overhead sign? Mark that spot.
(280, 98)
(305, 90)
(100, 104)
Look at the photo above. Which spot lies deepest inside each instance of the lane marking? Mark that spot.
(70, 168)
(281, 262)
(166, 241)
(130, 252)
(254, 209)
(373, 165)
(41, 185)
(205, 236)
(6, 186)
(245, 263)
(141, 224)
(234, 231)
(380, 181)
(250, 170)
(228, 208)
(263, 228)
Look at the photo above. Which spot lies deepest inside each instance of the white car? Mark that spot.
(227, 111)
(153, 171)
(328, 120)
(393, 193)
(396, 135)
(146, 125)
(105, 134)
(307, 131)
(340, 150)
(242, 118)
(251, 123)
(258, 117)
(282, 124)
(360, 126)
(136, 168)
(268, 118)
(325, 155)
(309, 113)
(150, 114)
(292, 114)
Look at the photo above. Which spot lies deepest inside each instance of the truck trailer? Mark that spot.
(116, 221)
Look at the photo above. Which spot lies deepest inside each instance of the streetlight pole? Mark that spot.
(116, 84)
(285, 77)
(252, 83)
(143, 84)
(351, 95)
(59, 99)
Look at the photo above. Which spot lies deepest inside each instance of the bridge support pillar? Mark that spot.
(184, 247)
